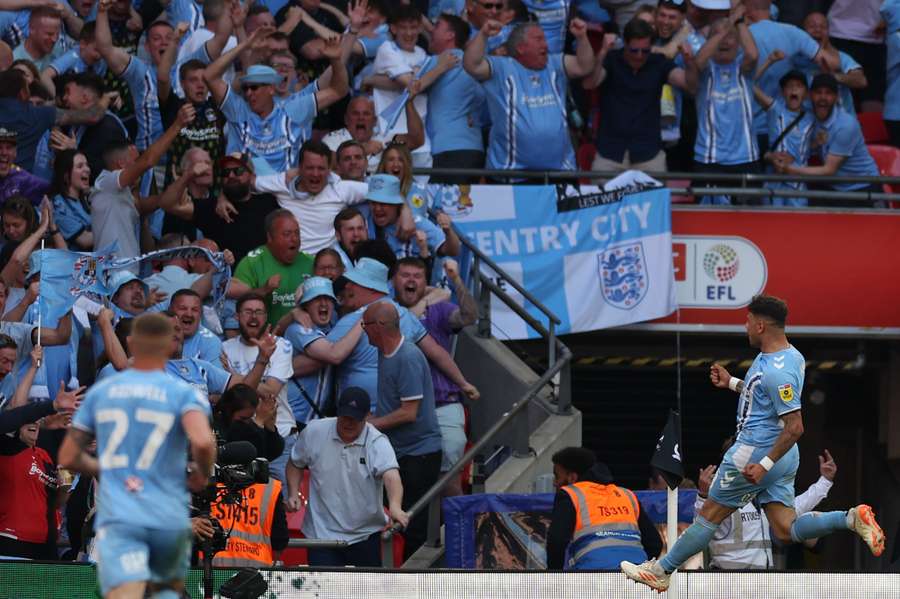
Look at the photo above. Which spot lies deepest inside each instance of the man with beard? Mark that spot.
(350, 229)
(442, 320)
(312, 385)
(244, 354)
(244, 230)
(199, 342)
(842, 147)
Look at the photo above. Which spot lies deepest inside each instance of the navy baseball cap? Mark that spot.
(355, 403)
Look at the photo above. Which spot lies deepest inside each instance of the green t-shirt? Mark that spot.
(256, 268)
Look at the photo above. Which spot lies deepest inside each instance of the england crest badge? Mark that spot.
(623, 275)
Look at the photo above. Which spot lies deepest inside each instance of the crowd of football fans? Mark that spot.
(280, 140)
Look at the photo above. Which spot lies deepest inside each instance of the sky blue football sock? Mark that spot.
(693, 540)
(813, 525)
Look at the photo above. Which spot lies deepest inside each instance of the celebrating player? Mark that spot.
(143, 420)
(763, 461)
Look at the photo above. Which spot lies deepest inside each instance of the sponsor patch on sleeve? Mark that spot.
(786, 392)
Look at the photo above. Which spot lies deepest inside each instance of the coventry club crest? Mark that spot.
(623, 275)
(85, 273)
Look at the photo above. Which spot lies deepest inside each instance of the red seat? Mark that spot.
(874, 131)
(678, 198)
(888, 160)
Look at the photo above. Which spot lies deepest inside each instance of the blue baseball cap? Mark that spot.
(354, 402)
(384, 189)
(261, 74)
(121, 277)
(368, 273)
(314, 287)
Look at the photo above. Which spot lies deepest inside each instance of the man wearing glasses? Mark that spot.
(479, 12)
(243, 352)
(631, 81)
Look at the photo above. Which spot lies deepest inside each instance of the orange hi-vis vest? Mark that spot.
(250, 542)
(606, 516)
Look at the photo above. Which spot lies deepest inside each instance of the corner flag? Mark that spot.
(667, 458)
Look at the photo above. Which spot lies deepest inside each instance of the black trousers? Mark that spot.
(418, 473)
(730, 169)
(893, 128)
(457, 159)
(364, 554)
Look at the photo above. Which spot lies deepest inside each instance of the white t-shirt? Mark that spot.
(315, 213)
(334, 140)
(114, 216)
(280, 367)
(393, 62)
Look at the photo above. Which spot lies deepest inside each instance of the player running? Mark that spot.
(143, 420)
(764, 458)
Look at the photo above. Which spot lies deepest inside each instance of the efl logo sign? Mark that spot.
(717, 272)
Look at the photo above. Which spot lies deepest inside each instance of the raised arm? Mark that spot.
(114, 350)
(701, 60)
(116, 58)
(598, 73)
(214, 72)
(854, 79)
(225, 27)
(582, 63)
(338, 86)
(325, 351)
(474, 60)
(173, 199)
(166, 62)
(751, 53)
(151, 156)
(85, 116)
(467, 312)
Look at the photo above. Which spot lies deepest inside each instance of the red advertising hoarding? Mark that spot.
(839, 271)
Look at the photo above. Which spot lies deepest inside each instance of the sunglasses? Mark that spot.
(251, 87)
(491, 5)
(234, 170)
(638, 50)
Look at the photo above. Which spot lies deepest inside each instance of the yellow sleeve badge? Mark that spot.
(786, 392)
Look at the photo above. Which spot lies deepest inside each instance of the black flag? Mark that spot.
(667, 458)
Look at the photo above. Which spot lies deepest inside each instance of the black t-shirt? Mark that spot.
(246, 232)
(206, 131)
(97, 138)
(629, 107)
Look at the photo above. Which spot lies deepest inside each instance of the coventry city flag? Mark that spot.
(596, 260)
(66, 276)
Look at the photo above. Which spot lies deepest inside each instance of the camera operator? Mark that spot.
(256, 522)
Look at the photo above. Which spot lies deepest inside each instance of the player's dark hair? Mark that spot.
(377, 249)
(112, 149)
(269, 221)
(404, 12)
(7, 342)
(345, 215)
(637, 29)
(189, 67)
(235, 399)
(771, 307)
(459, 27)
(326, 252)
(314, 146)
(575, 459)
(248, 297)
(414, 261)
(184, 293)
(91, 81)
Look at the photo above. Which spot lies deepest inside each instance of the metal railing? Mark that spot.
(743, 180)
(557, 376)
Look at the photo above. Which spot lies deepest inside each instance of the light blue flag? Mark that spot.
(66, 276)
(220, 277)
(391, 114)
(596, 260)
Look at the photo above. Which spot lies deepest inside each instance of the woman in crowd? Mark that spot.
(70, 187)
